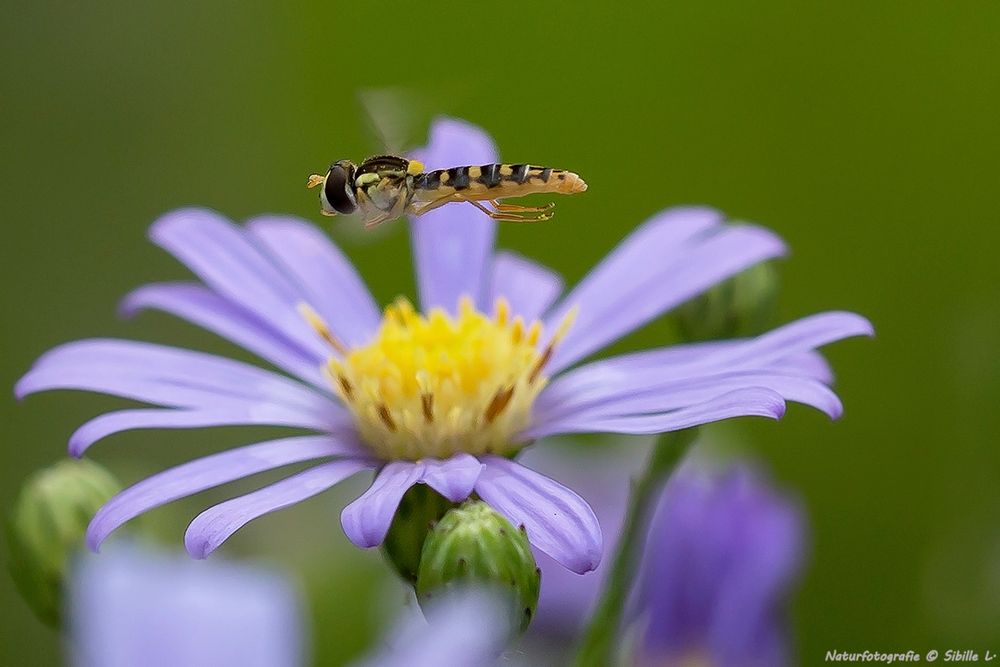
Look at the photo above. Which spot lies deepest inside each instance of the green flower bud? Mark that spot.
(420, 508)
(743, 305)
(475, 545)
(47, 526)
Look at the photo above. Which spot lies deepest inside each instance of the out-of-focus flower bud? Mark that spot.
(47, 526)
(743, 305)
(475, 545)
(420, 508)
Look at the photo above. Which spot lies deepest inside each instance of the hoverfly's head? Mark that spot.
(337, 194)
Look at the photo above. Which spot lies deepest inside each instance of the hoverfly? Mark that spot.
(385, 187)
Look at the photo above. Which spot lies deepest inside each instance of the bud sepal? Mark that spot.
(47, 526)
(475, 545)
(741, 306)
(420, 508)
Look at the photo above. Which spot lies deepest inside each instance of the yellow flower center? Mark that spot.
(436, 385)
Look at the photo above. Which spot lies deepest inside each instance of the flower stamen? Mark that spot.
(437, 384)
(386, 417)
(345, 386)
(427, 404)
(499, 402)
(320, 326)
(544, 359)
(561, 332)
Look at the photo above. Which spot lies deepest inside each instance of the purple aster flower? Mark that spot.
(722, 553)
(135, 607)
(446, 396)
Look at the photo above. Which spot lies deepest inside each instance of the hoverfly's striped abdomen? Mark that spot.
(494, 181)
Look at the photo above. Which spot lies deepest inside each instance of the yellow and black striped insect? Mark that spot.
(385, 187)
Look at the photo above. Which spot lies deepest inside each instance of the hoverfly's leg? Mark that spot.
(375, 222)
(420, 208)
(510, 217)
(399, 208)
(367, 208)
(514, 208)
(384, 184)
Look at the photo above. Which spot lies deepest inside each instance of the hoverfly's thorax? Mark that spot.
(387, 166)
(386, 182)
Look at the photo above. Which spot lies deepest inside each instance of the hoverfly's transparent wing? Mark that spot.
(391, 117)
(398, 117)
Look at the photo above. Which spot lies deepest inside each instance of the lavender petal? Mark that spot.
(225, 258)
(602, 479)
(558, 521)
(805, 334)
(757, 401)
(694, 359)
(654, 393)
(530, 288)
(366, 520)
(658, 242)
(808, 363)
(200, 305)
(625, 296)
(452, 245)
(328, 280)
(169, 376)
(207, 472)
(215, 525)
(782, 346)
(127, 420)
(453, 478)
(789, 348)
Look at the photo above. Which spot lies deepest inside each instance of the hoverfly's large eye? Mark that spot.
(339, 190)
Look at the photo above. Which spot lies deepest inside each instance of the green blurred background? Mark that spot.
(865, 133)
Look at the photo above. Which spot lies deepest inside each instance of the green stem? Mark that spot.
(601, 635)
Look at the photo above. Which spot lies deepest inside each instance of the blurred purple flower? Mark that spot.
(465, 628)
(133, 607)
(445, 399)
(722, 553)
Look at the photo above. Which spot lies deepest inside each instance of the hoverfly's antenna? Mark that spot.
(314, 180)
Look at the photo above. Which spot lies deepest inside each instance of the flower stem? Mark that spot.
(600, 637)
